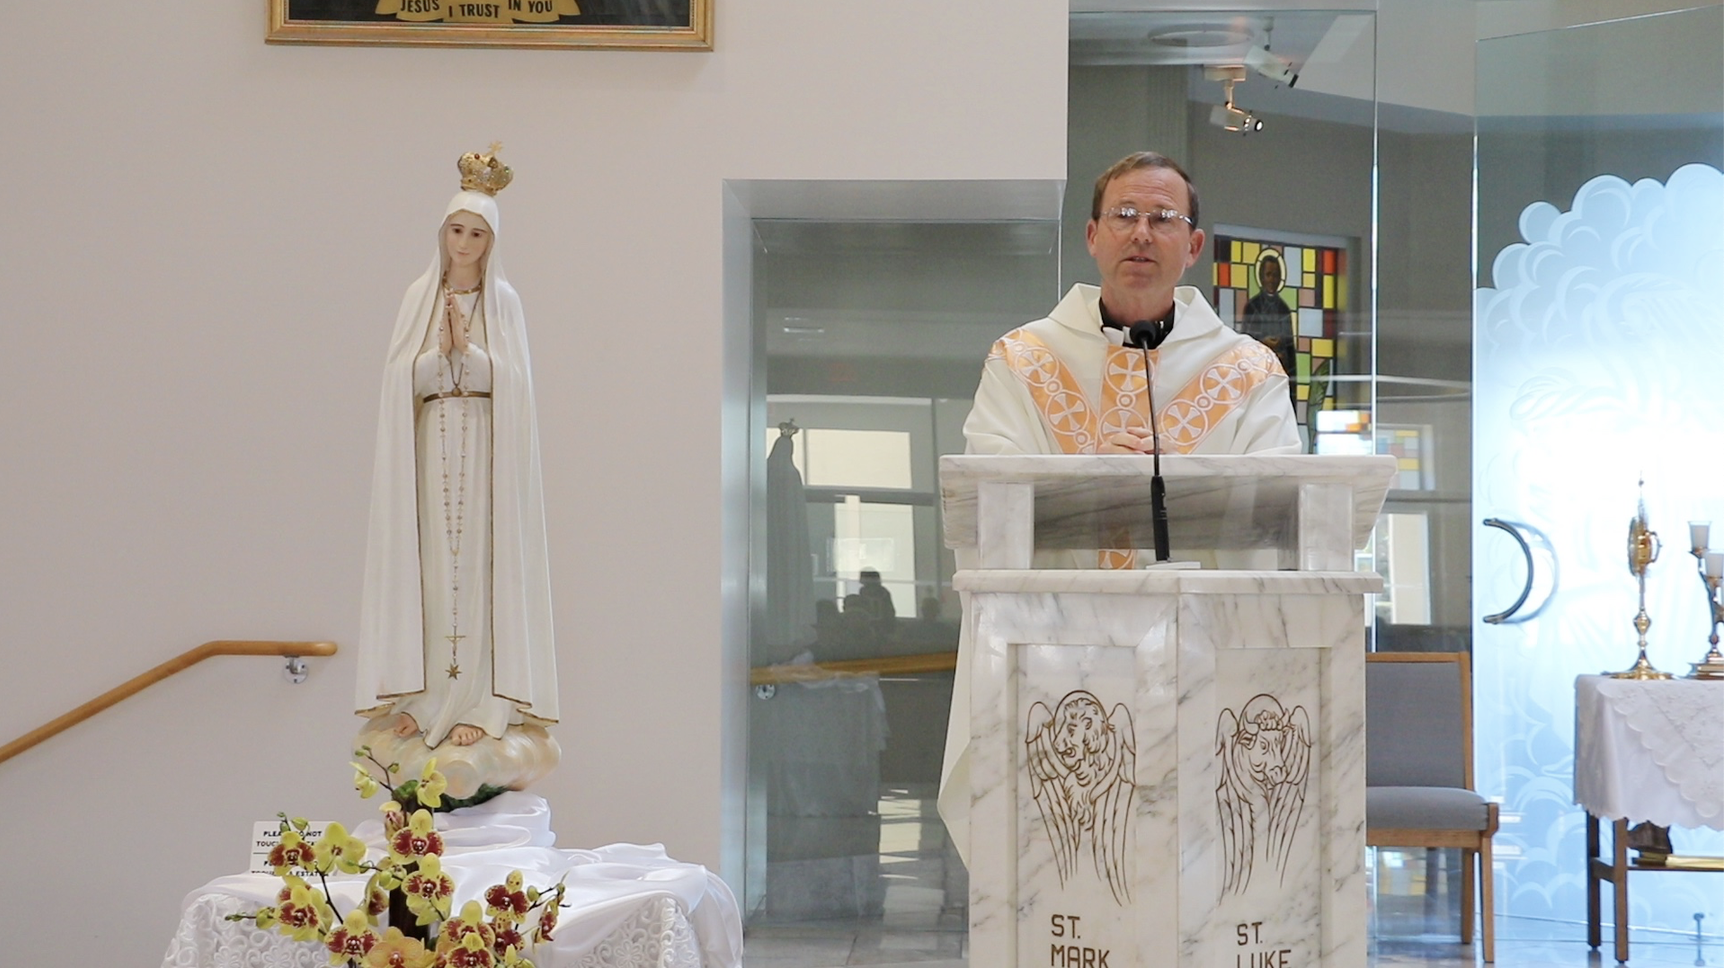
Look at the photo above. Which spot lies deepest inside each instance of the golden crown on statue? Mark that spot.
(483, 172)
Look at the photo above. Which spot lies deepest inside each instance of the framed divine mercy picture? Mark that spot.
(612, 24)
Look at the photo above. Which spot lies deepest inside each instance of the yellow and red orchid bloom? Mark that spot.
(472, 952)
(394, 819)
(429, 890)
(306, 915)
(353, 940)
(341, 850)
(396, 950)
(432, 784)
(470, 922)
(506, 901)
(420, 838)
(376, 895)
(509, 938)
(548, 917)
(292, 852)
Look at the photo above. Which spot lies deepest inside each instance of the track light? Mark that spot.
(1227, 115)
(1233, 119)
(1230, 116)
(1273, 66)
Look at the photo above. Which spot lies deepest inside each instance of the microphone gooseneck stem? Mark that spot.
(1157, 486)
(1158, 508)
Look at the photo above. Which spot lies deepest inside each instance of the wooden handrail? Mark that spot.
(141, 682)
(889, 665)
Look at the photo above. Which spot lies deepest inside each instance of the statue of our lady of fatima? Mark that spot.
(456, 654)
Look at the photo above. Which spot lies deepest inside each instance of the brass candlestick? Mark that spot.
(1643, 548)
(1711, 569)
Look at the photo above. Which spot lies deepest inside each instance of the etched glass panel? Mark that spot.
(1599, 329)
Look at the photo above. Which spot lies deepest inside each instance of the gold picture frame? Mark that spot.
(590, 24)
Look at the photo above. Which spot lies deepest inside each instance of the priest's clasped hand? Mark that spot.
(1127, 441)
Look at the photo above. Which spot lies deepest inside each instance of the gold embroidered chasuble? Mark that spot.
(1078, 424)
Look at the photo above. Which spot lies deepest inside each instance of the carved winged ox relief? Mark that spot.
(1083, 768)
(1265, 754)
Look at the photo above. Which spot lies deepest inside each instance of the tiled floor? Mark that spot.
(921, 927)
(1520, 944)
(923, 921)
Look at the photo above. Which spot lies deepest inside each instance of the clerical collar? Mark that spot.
(1109, 322)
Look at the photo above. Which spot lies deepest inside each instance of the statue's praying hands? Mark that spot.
(453, 333)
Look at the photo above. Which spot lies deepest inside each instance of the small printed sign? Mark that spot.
(266, 834)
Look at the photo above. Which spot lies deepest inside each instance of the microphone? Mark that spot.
(1146, 335)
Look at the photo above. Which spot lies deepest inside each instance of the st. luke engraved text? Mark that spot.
(1083, 769)
(1265, 754)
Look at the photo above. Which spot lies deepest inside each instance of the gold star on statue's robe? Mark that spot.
(454, 660)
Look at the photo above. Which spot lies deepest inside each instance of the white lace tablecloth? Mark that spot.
(1650, 750)
(628, 905)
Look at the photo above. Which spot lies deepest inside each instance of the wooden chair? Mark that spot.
(1419, 769)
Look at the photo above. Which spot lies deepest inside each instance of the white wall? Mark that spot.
(202, 254)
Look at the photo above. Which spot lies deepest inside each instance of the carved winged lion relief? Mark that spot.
(1083, 767)
(1265, 754)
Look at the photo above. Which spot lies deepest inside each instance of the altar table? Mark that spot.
(1649, 750)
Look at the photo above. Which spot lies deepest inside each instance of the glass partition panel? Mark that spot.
(1424, 322)
(874, 336)
(1599, 330)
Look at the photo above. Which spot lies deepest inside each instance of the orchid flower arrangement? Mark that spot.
(409, 879)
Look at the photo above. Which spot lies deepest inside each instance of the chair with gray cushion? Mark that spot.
(1419, 769)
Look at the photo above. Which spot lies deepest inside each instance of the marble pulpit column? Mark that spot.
(1167, 766)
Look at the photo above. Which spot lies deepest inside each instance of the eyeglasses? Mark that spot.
(1163, 221)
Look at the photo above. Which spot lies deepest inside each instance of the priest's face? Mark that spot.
(466, 238)
(1143, 263)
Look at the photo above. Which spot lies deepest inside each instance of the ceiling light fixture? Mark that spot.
(1230, 118)
(1273, 66)
(1227, 115)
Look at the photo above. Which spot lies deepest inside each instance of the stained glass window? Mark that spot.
(1291, 297)
(1409, 444)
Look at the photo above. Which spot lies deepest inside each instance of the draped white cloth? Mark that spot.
(1650, 750)
(1006, 420)
(406, 638)
(630, 905)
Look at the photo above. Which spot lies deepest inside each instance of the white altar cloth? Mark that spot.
(1650, 750)
(628, 905)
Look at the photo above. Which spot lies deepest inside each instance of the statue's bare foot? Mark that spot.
(465, 735)
(405, 726)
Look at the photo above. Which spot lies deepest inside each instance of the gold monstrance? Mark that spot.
(1643, 547)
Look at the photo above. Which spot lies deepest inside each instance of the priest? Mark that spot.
(1068, 384)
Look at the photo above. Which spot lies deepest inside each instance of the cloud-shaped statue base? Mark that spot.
(522, 756)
